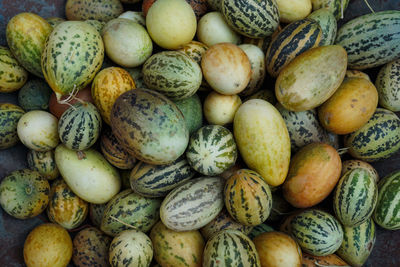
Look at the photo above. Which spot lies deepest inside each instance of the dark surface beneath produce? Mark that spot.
(386, 252)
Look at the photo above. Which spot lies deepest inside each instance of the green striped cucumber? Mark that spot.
(158, 180)
(211, 150)
(128, 210)
(355, 197)
(230, 248)
(35, 94)
(388, 85)
(9, 117)
(378, 139)
(221, 222)
(24, 194)
(337, 7)
(387, 211)
(114, 153)
(252, 18)
(44, 163)
(173, 74)
(303, 127)
(294, 39)
(12, 75)
(328, 24)
(131, 248)
(358, 243)
(79, 126)
(26, 36)
(248, 198)
(371, 40)
(193, 204)
(317, 232)
(66, 208)
(72, 56)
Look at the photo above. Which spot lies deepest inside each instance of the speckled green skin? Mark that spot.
(303, 127)
(72, 56)
(79, 126)
(317, 232)
(9, 117)
(378, 139)
(12, 75)
(114, 152)
(24, 194)
(44, 163)
(149, 126)
(194, 204)
(328, 24)
(26, 36)
(230, 248)
(173, 74)
(355, 197)
(387, 212)
(158, 180)
(192, 112)
(102, 10)
(35, 94)
(252, 18)
(260, 229)
(388, 85)
(221, 222)
(90, 248)
(96, 212)
(96, 23)
(212, 150)
(131, 248)
(130, 211)
(371, 40)
(358, 243)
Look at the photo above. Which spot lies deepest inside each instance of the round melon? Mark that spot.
(91, 248)
(293, 10)
(248, 198)
(131, 248)
(351, 164)
(172, 248)
(257, 62)
(24, 194)
(350, 107)
(126, 42)
(149, 126)
(172, 73)
(171, 23)
(48, 245)
(220, 109)
(211, 150)
(79, 127)
(37, 130)
(226, 68)
(66, 208)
